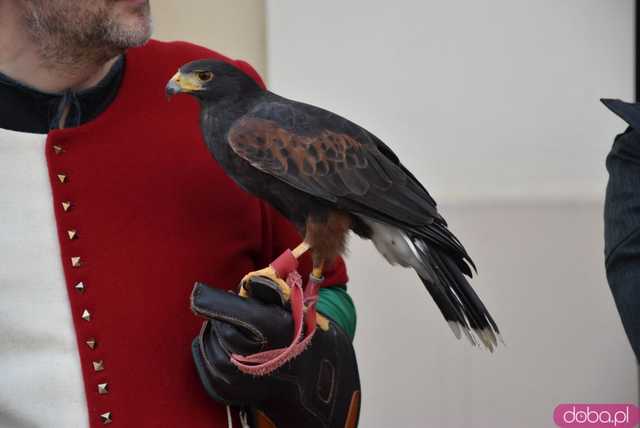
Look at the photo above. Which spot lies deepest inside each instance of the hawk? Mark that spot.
(329, 176)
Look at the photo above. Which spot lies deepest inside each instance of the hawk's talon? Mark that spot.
(322, 322)
(270, 274)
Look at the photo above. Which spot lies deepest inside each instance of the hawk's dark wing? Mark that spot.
(327, 156)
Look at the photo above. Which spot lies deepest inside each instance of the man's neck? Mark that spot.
(21, 59)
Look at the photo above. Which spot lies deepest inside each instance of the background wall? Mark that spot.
(504, 93)
(493, 104)
(235, 28)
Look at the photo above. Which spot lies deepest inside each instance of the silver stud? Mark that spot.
(86, 315)
(92, 343)
(58, 149)
(106, 418)
(66, 206)
(62, 178)
(72, 233)
(79, 287)
(98, 366)
(76, 262)
(103, 388)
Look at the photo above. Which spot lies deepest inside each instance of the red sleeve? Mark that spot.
(279, 234)
(250, 71)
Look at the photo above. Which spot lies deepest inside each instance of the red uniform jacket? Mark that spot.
(143, 211)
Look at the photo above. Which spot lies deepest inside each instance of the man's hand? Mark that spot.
(319, 388)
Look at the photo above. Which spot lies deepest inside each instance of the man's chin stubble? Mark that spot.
(92, 40)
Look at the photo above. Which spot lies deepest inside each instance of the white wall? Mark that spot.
(236, 29)
(494, 106)
(502, 94)
(541, 276)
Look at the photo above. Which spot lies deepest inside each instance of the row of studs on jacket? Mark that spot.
(76, 262)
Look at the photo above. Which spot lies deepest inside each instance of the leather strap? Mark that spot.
(263, 421)
(285, 264)
(303, 311)
(354, 411)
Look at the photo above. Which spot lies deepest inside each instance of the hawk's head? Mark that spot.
(211, 80)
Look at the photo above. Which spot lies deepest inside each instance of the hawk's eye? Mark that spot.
(204, 76)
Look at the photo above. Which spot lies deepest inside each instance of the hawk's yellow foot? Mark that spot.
(322, 321)
(269, 273)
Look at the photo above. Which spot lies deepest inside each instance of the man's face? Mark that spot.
(106, 27)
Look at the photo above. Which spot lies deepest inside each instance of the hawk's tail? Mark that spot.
(441, 262)
(452, 293)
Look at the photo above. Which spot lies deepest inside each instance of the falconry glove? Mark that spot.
(318, 388)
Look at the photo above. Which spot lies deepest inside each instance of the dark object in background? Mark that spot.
(622, 220)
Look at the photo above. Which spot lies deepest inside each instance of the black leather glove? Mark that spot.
(318, 388)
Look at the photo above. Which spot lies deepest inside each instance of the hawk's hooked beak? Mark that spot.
(182, 83)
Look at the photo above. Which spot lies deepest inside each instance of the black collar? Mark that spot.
(26, 109)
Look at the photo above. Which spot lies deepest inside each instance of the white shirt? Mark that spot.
(41, 381)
